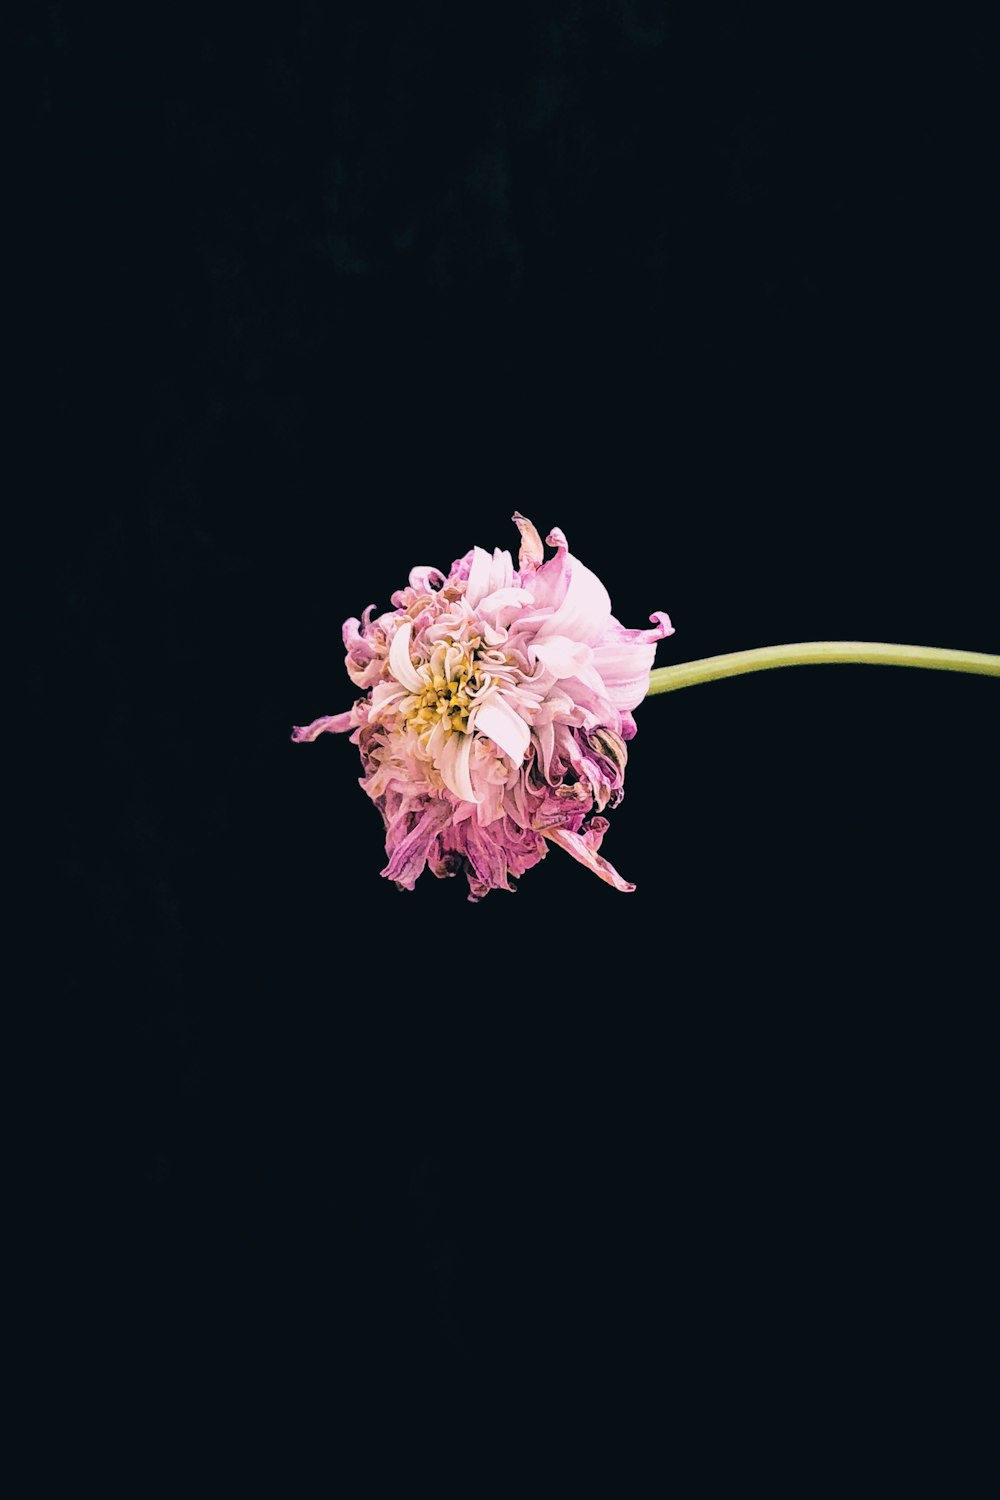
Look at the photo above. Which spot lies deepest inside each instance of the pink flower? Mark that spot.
(495, 705)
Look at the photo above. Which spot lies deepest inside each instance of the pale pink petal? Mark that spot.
(331, 724)
(576, 845)
(487, 574)
(502, 571)
(478, 583)
(584, 609)
(502, 724)
(624, 659)
(509, 600)
(424, 579)
(400, 664)
(562, 656)
(625, 667)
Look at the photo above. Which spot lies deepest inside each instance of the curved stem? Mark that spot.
(811, 653)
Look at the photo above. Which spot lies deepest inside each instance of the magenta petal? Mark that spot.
(409, 855)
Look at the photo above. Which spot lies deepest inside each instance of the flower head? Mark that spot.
(495, 706)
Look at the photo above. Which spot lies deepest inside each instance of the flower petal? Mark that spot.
(497, 719)
(400, 664)
(500, 600)
(408, 856)
(577, 598)
(532, 552)
(331, 724)
(624, 660)
(453, 763)
(487, 574)
(580, 849)
(561, 655)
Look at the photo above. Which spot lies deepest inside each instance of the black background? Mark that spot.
(314, 1183)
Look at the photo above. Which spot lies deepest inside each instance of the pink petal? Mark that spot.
(576, 845)
(500, 600)
(624, 660)
(408, 856)
(562, 656)
(578, 599)
(331, 724)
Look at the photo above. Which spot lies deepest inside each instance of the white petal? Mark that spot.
(501, 723)
(502, 572)
(488, 574)
(453, 763)
(477, 584)
(400, 664)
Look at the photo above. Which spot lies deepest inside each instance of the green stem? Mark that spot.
(811, 653)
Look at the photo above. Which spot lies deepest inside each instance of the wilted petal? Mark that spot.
(580, 849)
(424, 579)
(532, 552)
(409, 855)
(331, 724)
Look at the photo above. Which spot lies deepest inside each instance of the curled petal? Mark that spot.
(532, 552)
(505, 601)
(400, 664)
(579, 602)
(423, 579)
(331, 724)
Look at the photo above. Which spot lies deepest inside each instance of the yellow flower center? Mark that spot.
(450, 677)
